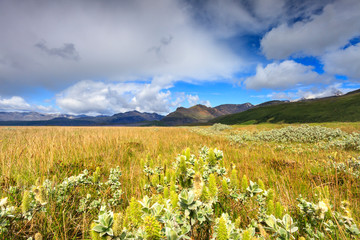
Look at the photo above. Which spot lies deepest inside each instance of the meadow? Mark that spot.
(266, 181)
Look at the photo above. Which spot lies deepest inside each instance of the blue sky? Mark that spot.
(104, 57)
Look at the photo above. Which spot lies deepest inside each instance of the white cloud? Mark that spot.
(195, 99)
(344, 62)
(286, 74)
(116, 41)
(14, 103)
(91, 97)
(18, 104)
(311, 93)
(328, 31)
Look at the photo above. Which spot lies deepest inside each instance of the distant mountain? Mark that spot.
(31, 116)
(37, 119)
(201, 114)
(124, 118)
(343, 108)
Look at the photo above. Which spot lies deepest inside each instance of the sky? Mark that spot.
(104, 57)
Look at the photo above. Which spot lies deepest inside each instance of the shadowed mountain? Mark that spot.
(345, 108)
(127, 118)
(201, 114)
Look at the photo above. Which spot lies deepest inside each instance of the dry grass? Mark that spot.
(29, 153)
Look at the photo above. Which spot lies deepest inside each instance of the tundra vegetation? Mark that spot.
(220, 182)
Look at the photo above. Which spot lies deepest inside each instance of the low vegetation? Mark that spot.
(131, 183)
(332, 109)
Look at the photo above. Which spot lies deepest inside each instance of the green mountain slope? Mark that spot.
(344, 108)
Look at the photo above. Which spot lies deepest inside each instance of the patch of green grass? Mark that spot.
(344, 108)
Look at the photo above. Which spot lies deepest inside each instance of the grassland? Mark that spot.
(332, 109)
(29, 155)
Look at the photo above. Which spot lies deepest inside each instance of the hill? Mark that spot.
(345, 108)
(201, 114)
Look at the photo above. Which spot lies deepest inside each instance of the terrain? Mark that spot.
(345, 108)
(127, 118)
(201, 114)
(264, 181)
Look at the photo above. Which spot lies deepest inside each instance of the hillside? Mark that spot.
(201, 114)
(345, 108)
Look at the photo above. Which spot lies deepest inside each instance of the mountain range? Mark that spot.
(182, 116)
(335, 108)
(127, 118)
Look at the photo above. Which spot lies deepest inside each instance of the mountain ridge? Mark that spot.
(201, 113)
(344, 108)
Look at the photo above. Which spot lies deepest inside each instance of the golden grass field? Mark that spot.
(31, 153)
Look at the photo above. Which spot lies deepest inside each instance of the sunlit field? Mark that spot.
(261, 175)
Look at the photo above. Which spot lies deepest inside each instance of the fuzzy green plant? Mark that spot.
(270, 195)
(225, 187)
(118, 224)
(270, 207)
(212, 185)
(133, 214)
(155, 180)
(187, 154)
(211, 158)
(152, 228)
(222, 232)
(166, 192)
(234, 179)
(96, 175)
(168, 175)
(205, 196)
(279, 209)
(246, 235)
(244, 183)
(174, 198)
(237, 222)
(26, 201)
(261, 184)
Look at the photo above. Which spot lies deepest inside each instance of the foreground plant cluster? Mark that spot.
(195, 197)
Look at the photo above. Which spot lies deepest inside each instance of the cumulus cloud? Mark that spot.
(19, 104)
(344, 62)
(14, 103)
(110, 40)
(96, 97)
(286, 74)
(327, 31)
(195, 99)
